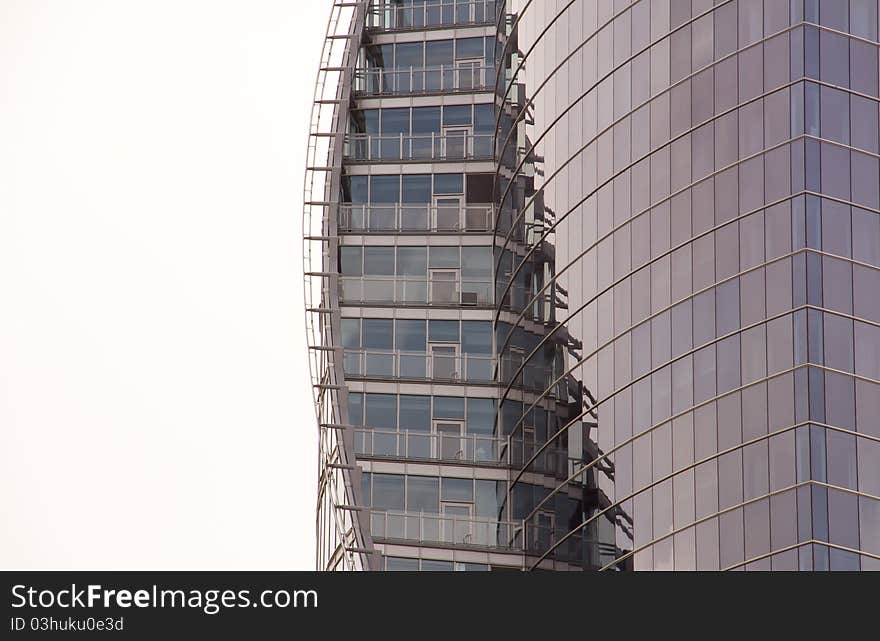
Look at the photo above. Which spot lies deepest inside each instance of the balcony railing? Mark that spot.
(467, 448)
(416, 218)
(434, 146)
(419, 366)
(416, 80)
(416, 14)
(388, 290)
(452, 530)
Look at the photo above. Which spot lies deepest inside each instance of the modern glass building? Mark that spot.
(593, 285)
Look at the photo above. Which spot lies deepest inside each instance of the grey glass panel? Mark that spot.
(395, 121)
(380, 411)
(422, 494)
(388, 491)
(412, 261)
(484, 118)
(351, 333)
(448, 407)
(400, 564)
(863, 18)
(356, 408)
(351, 260)
(384, 189)
(357, 188)
(441, 331)
(457, 490)
(835, 114)
(410, 335)
(439, 52)
(416, 188)
(409, 54)
(378, 333)
(457, 115)
(448, 183)
(444, 257)
(379, 261)
(834, 60)
(476, 337)
(415, 413)
(425, 120)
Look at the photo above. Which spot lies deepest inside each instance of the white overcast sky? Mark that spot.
(154, 401)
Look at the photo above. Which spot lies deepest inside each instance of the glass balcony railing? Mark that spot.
(417, 14)
(449, 146)
(415, 80)
(416, 218)
(436, 528)
(467, 448)
(419, 366)
(388, 290)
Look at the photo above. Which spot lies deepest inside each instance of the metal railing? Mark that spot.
(419, 366)
(416, 218)
(436, 528)
(413, 80)
(434, 146)
(415, 291)
(467, 448)
(416, 14)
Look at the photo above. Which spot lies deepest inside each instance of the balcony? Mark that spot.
(420, 527)
(390, 290)
(443, 367)
(425, 80)
(459, 145)
(386, 15)
(421, 218)
(462, 448)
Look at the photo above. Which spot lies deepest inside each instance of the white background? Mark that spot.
(154, 400)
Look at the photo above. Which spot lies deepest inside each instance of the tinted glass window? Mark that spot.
(379, 261)
(388, 491)
(381, 411)
(415, 413)
(442, 331)
(378, 333)
(410, 335)
(416, 188)
(448, 184)
(384, 189)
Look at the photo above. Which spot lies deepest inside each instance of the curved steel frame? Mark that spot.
(342, 529)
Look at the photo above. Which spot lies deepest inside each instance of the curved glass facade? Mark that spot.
(593, 285)
(688, 197)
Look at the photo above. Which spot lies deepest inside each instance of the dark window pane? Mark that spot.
(449, 407)
(412, 261)
(457, 490)
(395, 121)
(350, 259)
(378, 334)
(448, 184)
(379, 261)
(415, 413)
(388, 491)
(351, 333)
(476, 337)
(384, 189)
(423, 494)
(480, 416)
(426, 120)
(410, 335)
(416, 188)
